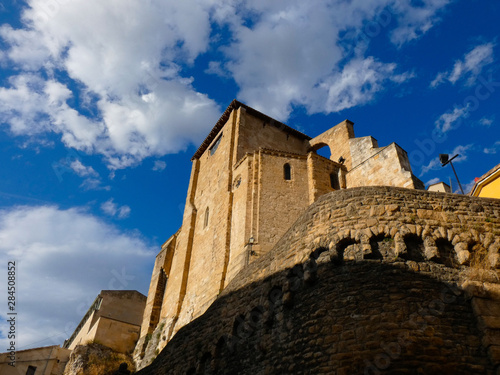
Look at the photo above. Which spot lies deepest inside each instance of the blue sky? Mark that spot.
(102, 105)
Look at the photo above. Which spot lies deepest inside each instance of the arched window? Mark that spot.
(215, 145)
(207, 213)
(287, 172)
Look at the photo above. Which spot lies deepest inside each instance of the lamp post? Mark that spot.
(444, 159)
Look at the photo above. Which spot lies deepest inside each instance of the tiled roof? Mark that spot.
(225, 116)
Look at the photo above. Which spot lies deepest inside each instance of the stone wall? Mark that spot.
(256, 131)
(380, 166)
(114, 318)
(280, 201)
(320, 181)
(48, 360)
(337, 139)
(368, 280)
(157, 286)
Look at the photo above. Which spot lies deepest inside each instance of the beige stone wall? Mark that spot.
(83, 335)
(254, 133)
(125, 308)
(163, 263)
(49, 360)
(206, 256)
(337, 139)
(385, 166)
(280, 201)
(320, 170)
(243, 187)
(117, 335)
(361, 149)
(123, 305)
(210, 239)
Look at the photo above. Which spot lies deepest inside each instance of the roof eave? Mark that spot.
(225, 116)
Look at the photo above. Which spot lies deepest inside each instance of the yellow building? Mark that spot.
(488, 185)
(48, 360)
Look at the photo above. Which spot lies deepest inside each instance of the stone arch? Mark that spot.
(275, 296)
(318, 253)
(446, 253)
(415, 248)
(344, 248)
(382, 246)
(205, 366)
(256, 316)
(322, 149)
(240, 328)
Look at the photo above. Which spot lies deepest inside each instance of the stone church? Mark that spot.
(251, 179)
(290, 262)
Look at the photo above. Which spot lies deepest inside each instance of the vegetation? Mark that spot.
(480, 267)
(96, 359)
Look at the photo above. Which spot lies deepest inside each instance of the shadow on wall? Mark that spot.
(334, 315)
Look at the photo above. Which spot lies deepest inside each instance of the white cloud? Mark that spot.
(493, 149)
(416, 18)
(462, 151)
(471, 66)
(293, 55)
(132, 74)
(112, 209)
(92, 179)
(131, 69)
(64, 259)
(358, 82)
(216, 68)
(446, 121)
(433, 165)
(159, 165)
(82, 170)
(485, 121)
(432, 181)
(94, 184)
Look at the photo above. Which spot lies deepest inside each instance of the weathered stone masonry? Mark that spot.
(368, 280)
(251, 178)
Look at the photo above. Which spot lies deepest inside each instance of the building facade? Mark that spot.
(114, 320)
(48, 360)
(488, 185)
(251, 178)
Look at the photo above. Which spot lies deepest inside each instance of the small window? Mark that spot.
(334, 181)
(287, 172)
(215, 145)
(31, 370)
(207, 213)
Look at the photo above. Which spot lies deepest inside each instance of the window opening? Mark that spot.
(207, 213)
(287, 171)
(31, 370)
(334, 181)
(215, 145)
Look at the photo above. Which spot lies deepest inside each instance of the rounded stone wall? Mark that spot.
(367, 281)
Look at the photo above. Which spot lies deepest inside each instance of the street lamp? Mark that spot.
(444, 159)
